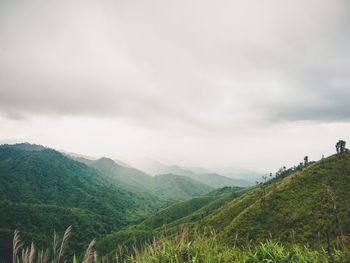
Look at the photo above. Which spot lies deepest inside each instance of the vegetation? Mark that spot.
(169, 187)
(184, 247)
(305, 205)
(309, 206)
(176, 187)
(42, 190)
(299, 215)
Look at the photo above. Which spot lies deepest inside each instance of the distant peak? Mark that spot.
(25, 146)
(105, 159)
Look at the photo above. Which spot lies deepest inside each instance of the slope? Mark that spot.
(310, 205)
(172, 217)
(126, 176)
(212, 179)
(167, 187)
(37, 182)
(306, 204)
(178, 187)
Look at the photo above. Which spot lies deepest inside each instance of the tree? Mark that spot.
(306, 161)
(340, 147)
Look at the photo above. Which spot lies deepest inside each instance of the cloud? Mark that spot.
(208, 65)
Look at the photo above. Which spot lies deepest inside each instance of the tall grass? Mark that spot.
(28, 254)
(190, 247)
(204, 249)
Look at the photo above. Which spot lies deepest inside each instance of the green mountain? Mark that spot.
(167, 186)
(304, 207)
(175, 216)
(212, 179)
(126, 176)
(176, 187)
(218, 181)
(42, 190)
(307, 204)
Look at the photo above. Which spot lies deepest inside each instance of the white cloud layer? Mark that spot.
(190, 81)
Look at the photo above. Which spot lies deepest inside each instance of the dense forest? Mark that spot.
(299, 214)
(43, 190)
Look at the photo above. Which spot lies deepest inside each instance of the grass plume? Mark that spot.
(16, 245)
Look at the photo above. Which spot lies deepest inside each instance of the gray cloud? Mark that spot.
(196, 62)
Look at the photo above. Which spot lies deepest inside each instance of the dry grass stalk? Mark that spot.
(32, 253)
(89, 253)
(63, 243)
(55, 246)
(16, 245)
(25, 254)
(95, 256)
(43, 256)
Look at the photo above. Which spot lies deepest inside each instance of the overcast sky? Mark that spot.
(249, 84)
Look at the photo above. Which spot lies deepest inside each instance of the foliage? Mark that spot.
(189, 247)
(185, 248)
(298, 208)
(42, 190)
(177, 187)
(168, 187)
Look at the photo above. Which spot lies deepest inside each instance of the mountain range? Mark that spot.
(42, 190)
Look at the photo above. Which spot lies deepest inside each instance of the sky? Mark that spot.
(245, 84)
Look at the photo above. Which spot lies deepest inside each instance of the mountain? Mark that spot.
(42, 190)
(127, 176)
(178, 187)
(218, 181)
(83, 158)
(312, 204)
(166, 187)
(202, 175)
(238, 173)
(305, 204)
(174, 216)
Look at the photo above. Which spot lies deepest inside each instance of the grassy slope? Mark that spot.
(297, 204)
(300, 205)
(176, 215)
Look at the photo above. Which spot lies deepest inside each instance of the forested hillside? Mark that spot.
(169, 187)
(41, 190)
(202, 175)
(306, 205)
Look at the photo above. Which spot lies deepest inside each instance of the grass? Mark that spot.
(187, 247)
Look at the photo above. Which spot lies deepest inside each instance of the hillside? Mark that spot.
(176, 187)
(306, 204)
(43, 184)
(218, 181)
(296, 208)
(126, 176)
(304, 207)
(167, 187)
(174, 217)
(202, 175)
